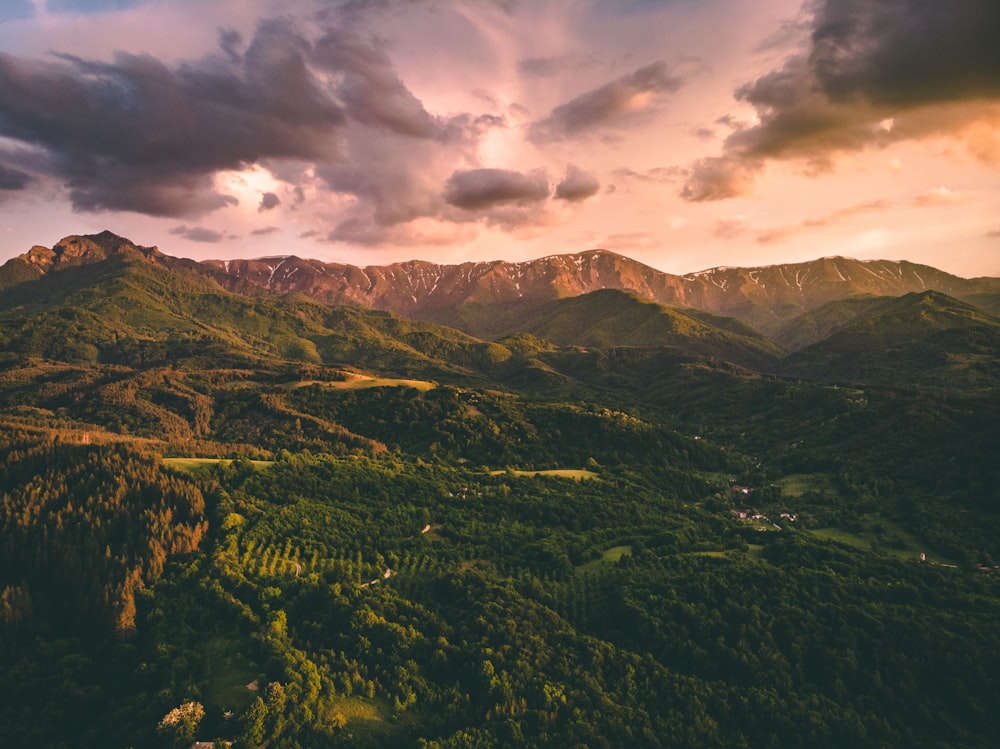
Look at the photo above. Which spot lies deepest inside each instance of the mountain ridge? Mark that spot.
(471, 295)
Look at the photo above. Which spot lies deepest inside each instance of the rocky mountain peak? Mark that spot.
(83, 249)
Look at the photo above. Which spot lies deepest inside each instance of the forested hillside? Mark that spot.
(268, 521)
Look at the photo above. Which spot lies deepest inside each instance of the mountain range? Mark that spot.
(834, 318)
(469, 296)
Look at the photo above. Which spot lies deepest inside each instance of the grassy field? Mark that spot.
(579, 474)
(610, 555)
(797, 484)
(888, 538)
(193, 465)
(617, 552)
(359, 382)
(366, 719)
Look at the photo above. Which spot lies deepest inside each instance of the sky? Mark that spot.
(686, 134)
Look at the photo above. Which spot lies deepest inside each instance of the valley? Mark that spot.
(573, 502)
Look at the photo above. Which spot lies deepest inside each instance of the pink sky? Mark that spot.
(684, 134)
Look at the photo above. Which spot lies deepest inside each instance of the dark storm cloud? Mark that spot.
(914, 61)
(907, 52)
(485, 188)
(369, 87)
(268, 201)
(577, 185)
(198, 234)
(231, 42)
(604, 105)
(13, 179)
(135, 134)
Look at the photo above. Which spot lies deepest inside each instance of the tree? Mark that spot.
(178, 727)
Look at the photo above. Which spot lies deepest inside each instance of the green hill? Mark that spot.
(127, 309)
(927, 339)
(613, 319)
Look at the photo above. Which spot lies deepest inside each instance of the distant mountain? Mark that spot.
(928, 339)
(470, 296)
(475, 297)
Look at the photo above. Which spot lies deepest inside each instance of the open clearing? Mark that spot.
(356, 381)
(891, 539)
(193, 465)
(367, 719)
(610, 555)
(617, 552)
(578, 474)
(797, 484)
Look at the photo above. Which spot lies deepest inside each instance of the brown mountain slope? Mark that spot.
(470, 295)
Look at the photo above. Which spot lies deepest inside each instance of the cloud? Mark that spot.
(729, 228)
(720, 177)
(136, 135)
(940, 196)
(658, 175)
(873, 73)
(264, 231)
(995, 234)
(369, 88)
(198, 234)
(577, 185)
(479, 189)
(547, 67)
(418, 233)
(231, 43)
(907, 52)
(781, 233)
(268, 201)
(608, 104)
(13, 179)
(542, 67)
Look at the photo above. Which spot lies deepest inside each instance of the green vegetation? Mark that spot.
(375, 532)
(195, 465)
(577, 474)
